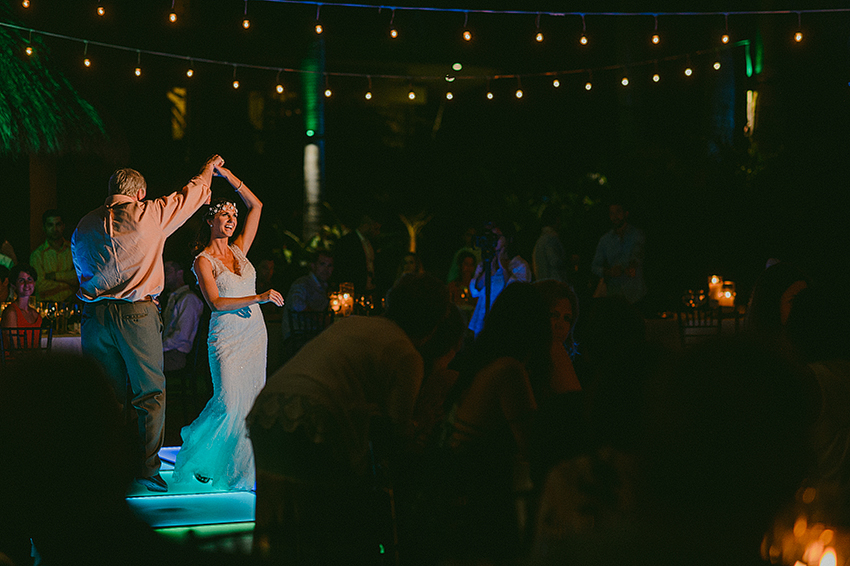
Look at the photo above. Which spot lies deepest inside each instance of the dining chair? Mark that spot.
(699, 324)
(17, 342)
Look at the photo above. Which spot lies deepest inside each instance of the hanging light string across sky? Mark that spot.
(192, 60)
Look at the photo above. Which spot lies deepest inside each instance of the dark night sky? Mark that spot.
(657, 143)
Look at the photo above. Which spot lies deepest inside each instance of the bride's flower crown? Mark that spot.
(214, 209)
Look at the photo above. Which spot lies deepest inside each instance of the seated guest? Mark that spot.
(459, 287)
(309, 292)
(484, 446)
(314, 421)
(410, 263)
(563, 313)
(57, 280)
(19, 313)
(6, 294)
(180, 318)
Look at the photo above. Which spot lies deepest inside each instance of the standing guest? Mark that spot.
(20, 314)
(355, 256)
(618, 261)
(7, 252)
(411, 263)
(459, 287)
(179, 318)
(505, 268)
(57, 280)
(309, 292)
(6, 293)
(117, 252)
(549, 258)
(266, 281)
(562, 303)
(215, 446)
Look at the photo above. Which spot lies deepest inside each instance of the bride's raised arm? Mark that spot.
(255, 208)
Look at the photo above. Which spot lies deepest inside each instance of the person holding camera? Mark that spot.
(504, 268)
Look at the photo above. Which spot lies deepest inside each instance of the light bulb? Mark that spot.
(25, 3)
(100, 11)
(689, 72)
(556, 83)
(449, 95)
(656, 77)
(172, 17)
(588, 86)
(328, 93)
(583, 40)
(798, 37)
(467, 35)
(625, 81)
(489, 96)
(87, 62)
(368, 95)
(539, 37)
(655, 39)
(138, 71)
(319, 29)
(190, 72)
(246, 23)
(393, 33)
(716, 65)
(724, 38)
(411, 95)
(28, 50)
(279, 89)
(519, 93)
(235, 84)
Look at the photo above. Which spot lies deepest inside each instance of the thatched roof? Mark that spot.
(40, 112)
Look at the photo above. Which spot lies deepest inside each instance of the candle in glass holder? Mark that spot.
(334, 302)
(715, 287)
(727, 295)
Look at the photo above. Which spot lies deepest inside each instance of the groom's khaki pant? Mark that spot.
(126, 338)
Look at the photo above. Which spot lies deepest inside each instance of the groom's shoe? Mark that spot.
(154, 483)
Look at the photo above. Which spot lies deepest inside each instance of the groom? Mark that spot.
(117, 251)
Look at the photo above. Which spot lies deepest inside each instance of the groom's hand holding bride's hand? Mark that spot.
(272, 296)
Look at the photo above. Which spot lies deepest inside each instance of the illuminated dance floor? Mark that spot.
(210, 515)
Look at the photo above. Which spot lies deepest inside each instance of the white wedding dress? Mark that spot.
(216, 444)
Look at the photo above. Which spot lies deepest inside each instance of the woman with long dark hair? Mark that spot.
(216, 447)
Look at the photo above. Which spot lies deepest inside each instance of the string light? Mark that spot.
(318, 27)
(28, 49)
(655, 76)
(688, 69)
(86, 60)
(449, 95)
(25, 3)
(655, 37)
(798, 35)
(725, 37)
(172, 16)
(489, 92)
(410, 94)
(518, 88)
(368, 95)
(138, 70)
(190, 72)
(279, 86)
(246, 23)
(583, 39)
(328, 91)
(624, 81)
(235, 82)
(589, 84)
(100, 10)
(538, 37)
(467, 35)
(556, 83)
(393, 29)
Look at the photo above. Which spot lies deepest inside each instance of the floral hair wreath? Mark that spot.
(218, 207)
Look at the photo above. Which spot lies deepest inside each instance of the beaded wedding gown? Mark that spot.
(216, 444)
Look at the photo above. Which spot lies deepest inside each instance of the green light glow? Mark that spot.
(40, 112)
(312, 88)
(759, 53)
(749, 61)
(310, 133)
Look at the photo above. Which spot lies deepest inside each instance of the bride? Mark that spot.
(216, 447)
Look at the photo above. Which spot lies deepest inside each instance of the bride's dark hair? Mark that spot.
(204, 236)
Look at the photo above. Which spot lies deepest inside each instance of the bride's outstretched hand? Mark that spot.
(272, 296)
